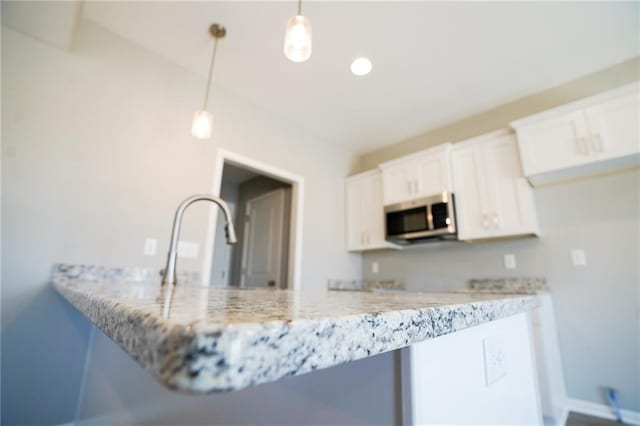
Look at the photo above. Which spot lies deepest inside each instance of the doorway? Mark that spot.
(266, 206)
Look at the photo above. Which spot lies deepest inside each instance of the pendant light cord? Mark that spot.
(299, 7)
(213, 59)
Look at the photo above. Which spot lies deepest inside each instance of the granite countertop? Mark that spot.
(536, 285)
(207, 339)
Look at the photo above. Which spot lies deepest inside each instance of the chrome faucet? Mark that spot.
(169, 276)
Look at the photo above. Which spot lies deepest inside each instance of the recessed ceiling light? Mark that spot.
(361, 66)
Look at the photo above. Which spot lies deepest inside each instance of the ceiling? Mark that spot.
(433, 63)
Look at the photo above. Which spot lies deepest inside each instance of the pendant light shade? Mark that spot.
(202, 119)
(297, 39)
(202, 124)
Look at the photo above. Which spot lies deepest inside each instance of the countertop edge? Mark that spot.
(204, 358)
(158, 345)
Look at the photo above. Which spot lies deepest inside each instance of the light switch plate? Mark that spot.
(375, 268)
(495, 359)
(510, 261)
(578, 258)
(150, 247)
(188, 249)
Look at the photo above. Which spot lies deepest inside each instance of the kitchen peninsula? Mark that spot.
(200, 339)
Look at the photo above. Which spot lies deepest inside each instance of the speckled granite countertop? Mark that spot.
(506, 286)
(199, 339)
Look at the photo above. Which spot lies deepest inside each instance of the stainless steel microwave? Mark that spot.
(429, 218)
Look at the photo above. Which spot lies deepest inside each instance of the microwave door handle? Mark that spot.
(430, 217)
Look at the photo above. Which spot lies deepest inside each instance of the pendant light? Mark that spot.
(297, 39)
(203, 120)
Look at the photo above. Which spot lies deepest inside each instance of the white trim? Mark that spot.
(363, 175)
(564, 416)
(297, 209)
(442, 147)
(602, 411)
(465, 143)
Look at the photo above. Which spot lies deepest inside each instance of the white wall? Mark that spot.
(596, 306)
(96, 157)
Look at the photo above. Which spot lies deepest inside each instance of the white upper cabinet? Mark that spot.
(554, 143)
(493, 198)
(365, 216)
(470, 186)
(613, 126)
(418, 175)
(578, 138)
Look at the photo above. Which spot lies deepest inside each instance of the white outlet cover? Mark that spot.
(150, 247)
(375, 268)
(188, 249)
(495, 359)
(578, 258)
(510, 261)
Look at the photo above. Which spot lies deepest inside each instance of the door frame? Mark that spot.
(294, 264)
(245, 238)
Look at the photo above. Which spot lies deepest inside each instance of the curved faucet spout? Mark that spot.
(169, 276)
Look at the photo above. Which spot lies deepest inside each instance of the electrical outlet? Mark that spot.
(188, 249)
(495, 359)
(510, 261)
(375, 268)
(578, 257)
(150, 247)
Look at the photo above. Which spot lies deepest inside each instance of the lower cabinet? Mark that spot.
(365, 216)
(493, 198)
(481, 375)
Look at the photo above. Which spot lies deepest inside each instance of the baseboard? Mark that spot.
(603, 411)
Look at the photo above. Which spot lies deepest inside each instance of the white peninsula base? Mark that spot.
(482, 375)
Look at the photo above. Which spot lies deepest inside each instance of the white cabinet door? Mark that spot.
(399, 182)
(586, 137)
(493, 198)
(554, 143)
(372, 212)
(433, 173)
(469, 190)
(418, 175)
(614, 127)
(512, 210)
(365, 215)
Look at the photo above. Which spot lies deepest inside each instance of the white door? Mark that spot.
(470, 192)
(399, 182)
(433, 174)
(263, 241)
(614, 127)
(512, 209)
(554, 143)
